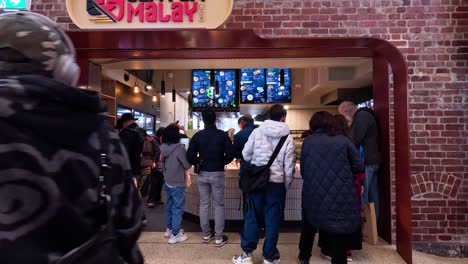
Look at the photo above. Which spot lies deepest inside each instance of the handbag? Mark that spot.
(100, 248)
(255, 178)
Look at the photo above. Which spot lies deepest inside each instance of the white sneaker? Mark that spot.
(242, 259)
(181, 237)
(274, 262)
(168, 233)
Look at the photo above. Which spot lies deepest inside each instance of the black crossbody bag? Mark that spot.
(255, 178)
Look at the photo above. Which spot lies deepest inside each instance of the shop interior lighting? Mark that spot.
(212, 79)
(148, 87)
(136, 88)
(163, 87)
(282, 78)
(155, 99)
(173, 90)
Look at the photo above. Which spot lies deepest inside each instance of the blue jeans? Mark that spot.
(174, 207)
(371, 187)
(269, 206)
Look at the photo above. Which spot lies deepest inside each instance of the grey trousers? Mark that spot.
(211, 185)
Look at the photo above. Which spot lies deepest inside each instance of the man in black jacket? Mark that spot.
(365, 134)
(133, 138)
(51, 138)
(211, 149)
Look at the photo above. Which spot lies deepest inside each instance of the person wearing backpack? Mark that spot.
(141, 148)
(270, 150)
(175, 165)
(67, 193)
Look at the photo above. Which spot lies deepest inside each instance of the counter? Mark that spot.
(233, 206)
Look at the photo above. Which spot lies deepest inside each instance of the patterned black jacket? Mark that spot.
(49, 150)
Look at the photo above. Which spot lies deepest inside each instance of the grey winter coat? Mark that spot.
(175, 163)
(329, 198)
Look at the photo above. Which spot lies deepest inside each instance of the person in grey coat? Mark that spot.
(175, 164)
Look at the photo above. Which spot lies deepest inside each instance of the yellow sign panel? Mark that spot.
(149, 14)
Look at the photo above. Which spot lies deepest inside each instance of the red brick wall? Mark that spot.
(433, 35)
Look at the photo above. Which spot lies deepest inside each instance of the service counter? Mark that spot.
(233, 206)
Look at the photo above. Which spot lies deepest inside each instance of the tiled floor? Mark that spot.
(157, 251)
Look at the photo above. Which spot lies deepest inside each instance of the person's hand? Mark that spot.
(153, 166)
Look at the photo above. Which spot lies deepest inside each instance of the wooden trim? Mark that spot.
(246, 44)
(382, 108)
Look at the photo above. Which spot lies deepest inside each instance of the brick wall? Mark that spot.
(433, 35)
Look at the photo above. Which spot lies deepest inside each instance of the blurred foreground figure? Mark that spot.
(66, 191)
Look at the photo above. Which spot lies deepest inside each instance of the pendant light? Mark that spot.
(212, 79)
(217, 87)
(149, 79)
(136, 88)
(163, 86)
(282, 78)
(173, 90)
(155, 99)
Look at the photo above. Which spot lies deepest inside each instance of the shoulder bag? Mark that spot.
(255, 178)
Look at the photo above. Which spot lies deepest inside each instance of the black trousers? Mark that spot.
(337, 249)
(155, 186)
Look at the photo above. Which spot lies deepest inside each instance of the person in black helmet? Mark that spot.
(53, 199)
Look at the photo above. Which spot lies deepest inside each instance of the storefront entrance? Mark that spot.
(243, 44)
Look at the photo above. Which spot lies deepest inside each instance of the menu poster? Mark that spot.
(201, 91)
(275, 92)
(252, 83)
(227, 97)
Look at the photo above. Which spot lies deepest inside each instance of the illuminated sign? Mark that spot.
(15, 4)
(149, 14)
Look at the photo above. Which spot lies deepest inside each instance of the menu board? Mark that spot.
(227, 97)
(201, 91)
(252, 83)
(275, 92)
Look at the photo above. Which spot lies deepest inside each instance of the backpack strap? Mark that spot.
(277, 150)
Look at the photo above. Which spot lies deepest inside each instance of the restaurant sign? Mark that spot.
(149, 14)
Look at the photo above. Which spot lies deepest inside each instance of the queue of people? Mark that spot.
(92, 180)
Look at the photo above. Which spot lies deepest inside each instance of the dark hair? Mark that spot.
(239, 121)
(247, 120)
(341, 125)
(171, 134)
(209, 117)
(325, 122)
(160, 132)
(277, 112)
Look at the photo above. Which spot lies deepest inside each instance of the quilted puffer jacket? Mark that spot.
(261, 144)
(329, 198)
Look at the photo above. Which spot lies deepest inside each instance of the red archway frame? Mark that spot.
(218, 44)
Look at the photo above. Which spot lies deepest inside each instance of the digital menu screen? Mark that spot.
(252, 83)
(275, 92)
(202, 93)
(227, 97)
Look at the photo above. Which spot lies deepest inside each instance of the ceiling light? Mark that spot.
(136, 89)
(148, 87)
(163, 87)
(282, 78)
(155, 99)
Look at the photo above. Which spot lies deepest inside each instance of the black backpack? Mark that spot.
(255, 178)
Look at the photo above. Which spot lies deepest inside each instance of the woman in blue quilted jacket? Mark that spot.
(329, 199)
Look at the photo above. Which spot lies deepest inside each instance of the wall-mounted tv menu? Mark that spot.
(202, 93)
(227, 97)
(252, 82)
(275, 92)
